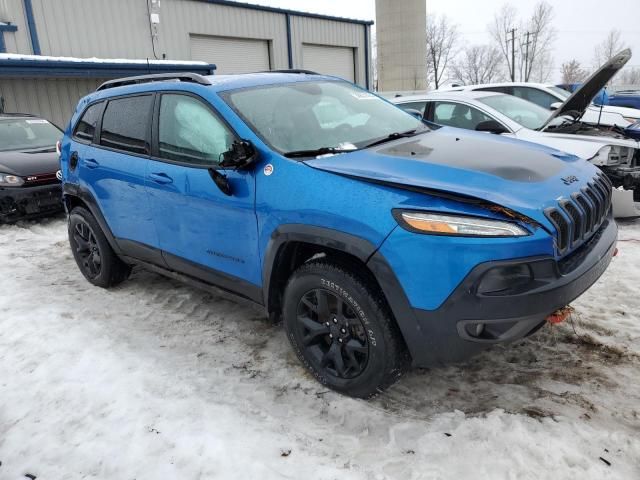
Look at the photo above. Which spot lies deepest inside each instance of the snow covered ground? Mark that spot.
(157, 380)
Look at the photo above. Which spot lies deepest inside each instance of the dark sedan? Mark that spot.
(29, 183)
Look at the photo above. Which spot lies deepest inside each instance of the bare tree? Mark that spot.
(442, 39)
(479, 64)
(628, 76)
(537, 43)
(611, 45)
(572, 72)
(530, 57)
(504, 21)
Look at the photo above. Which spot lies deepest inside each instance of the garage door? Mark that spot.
(231, 55)
(330, 60)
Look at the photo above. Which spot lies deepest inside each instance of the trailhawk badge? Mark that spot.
(268, 169)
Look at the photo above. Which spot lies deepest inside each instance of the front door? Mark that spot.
(202, 231)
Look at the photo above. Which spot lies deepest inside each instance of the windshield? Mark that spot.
(27, 134)
(314, 115)
(521, 111)
(561, 92)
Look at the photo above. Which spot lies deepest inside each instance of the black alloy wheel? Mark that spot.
(87, 249)
(332, 334)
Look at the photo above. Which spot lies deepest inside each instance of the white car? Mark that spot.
(511, 116)
(552, 97)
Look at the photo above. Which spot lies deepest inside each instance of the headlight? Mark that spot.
(631, 119)
(8, 180)
(612, 155)
(460, 225)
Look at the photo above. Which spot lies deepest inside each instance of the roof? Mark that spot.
(453, 94)
(297, 13)
(496, 84)
(12, 65)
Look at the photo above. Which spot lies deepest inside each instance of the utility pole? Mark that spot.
(513, 53)
(527, 70)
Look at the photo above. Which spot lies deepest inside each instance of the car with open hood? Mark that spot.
(379, 241)
(509, 116)
(579, 104)
(29, 167)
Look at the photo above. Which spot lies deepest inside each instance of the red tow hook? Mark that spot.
(560, 315)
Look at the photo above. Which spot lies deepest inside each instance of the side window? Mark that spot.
(190, 132)
(536, 96)
(125, 124)
(458, 115)
(86, 126)
(419, 106)
(507, 90)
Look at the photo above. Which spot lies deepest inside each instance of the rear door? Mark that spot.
(203, 231)
(113, 168)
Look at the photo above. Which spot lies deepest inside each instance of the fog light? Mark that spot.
(505, 280)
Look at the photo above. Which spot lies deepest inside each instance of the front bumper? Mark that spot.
(18, 203)
(470, 321)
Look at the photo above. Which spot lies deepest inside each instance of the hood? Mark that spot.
(522, 176)
(580, 100)
(26, 163)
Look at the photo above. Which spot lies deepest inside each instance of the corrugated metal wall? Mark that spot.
(52, 98)
(120, 29)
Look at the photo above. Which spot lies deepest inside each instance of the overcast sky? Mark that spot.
(581, 24)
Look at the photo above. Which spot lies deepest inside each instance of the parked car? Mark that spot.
(348, 230)
(625, 99)
(552, 97)
(29, 186)
(511, 116)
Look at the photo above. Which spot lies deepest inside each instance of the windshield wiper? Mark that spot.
(393, 136)
(318, 151)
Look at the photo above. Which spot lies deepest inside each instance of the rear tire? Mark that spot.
(94, 256)
(342, 330)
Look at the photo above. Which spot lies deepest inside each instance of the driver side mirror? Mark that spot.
(241, 154)
(491, 126)
(415, 113)
(555, 105)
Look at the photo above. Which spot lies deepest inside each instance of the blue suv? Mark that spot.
(379, 241)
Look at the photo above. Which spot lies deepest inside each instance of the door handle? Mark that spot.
(91, 163)
(161, 178)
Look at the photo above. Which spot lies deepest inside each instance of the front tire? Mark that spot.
(342, 330)
(94, 256)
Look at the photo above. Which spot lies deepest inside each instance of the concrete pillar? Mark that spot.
(401, 27)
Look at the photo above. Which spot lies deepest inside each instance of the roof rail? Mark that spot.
(158, 77)
(292, 70)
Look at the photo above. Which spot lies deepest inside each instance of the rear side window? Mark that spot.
(125, 124)
(86, 127)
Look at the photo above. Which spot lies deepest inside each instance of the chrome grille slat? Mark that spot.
(577, 218)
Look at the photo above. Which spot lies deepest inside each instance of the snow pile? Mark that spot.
(46, 58)
(154, 379)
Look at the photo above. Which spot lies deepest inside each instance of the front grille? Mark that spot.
(577, 218)
(41, 179)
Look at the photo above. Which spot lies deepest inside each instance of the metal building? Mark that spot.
(401, 28)
(235, 37)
